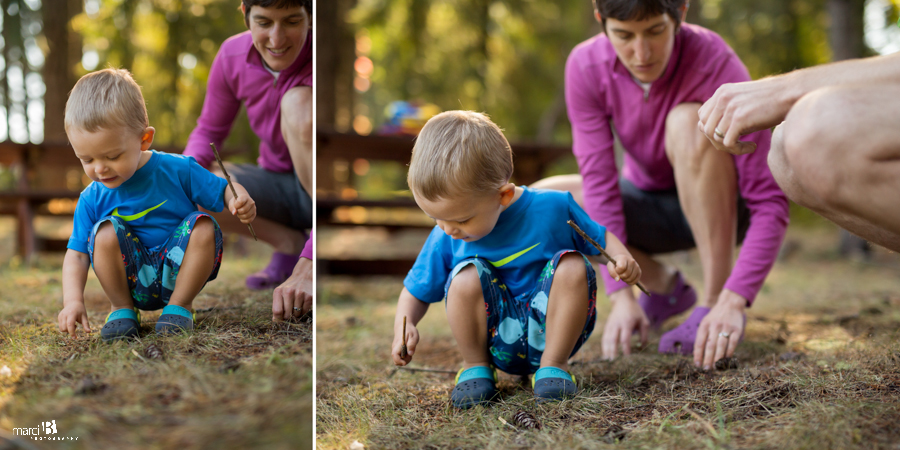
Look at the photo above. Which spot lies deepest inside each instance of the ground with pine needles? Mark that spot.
(819, 368)
(238, 381)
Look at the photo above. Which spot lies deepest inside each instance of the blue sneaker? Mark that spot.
(175, 320)
(474, 386)
(121, 324)
(552, 383)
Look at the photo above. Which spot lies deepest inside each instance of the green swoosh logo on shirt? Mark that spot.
(136, 216)
(510, 258)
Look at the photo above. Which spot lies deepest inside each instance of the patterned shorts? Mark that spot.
(516, 326)
(152, 272)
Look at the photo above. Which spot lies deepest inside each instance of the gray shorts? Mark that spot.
(278, 196)
(656, 224)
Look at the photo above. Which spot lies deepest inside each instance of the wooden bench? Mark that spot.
(530, 164)
(43, 178)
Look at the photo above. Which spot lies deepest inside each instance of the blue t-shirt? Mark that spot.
(527, 235)
(153, 201)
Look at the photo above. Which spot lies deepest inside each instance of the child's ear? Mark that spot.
(147, 138)
(507, 193)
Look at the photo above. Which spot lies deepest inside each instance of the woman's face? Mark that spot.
(278, 33)
(643, 46)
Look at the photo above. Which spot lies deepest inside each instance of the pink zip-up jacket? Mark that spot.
(238, 76)
(308, 248)
(600, 93)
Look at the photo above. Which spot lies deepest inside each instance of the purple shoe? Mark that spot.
(681, 338)
(660, 307)
(279, 269)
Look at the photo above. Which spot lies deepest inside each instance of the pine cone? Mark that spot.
(153, 352)
(525, 420)
(727, 363)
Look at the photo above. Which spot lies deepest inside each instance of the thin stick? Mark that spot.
(425, 369)
(228, 178)
(602, 252)
(403, 351)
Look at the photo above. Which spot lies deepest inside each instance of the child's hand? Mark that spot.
(412, 338)
(70, 317)
(626, 269)
(625, 318)
(243, 207)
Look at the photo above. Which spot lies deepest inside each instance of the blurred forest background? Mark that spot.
(168, 45)
(507, 58)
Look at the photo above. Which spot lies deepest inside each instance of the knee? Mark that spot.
(810, 146)
(296, 112)
(204, 232)
(106, 238)
(570, 270)
(466, 286)
(685, 144)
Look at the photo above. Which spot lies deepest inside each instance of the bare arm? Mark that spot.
(414, 309)
(738, 109)
(74, 276)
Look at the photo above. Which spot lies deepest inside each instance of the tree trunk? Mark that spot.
(64, 53)
(846, 34)
(847, 40)
(335, 55)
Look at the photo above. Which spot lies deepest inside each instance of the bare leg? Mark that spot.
(109, 268)
(296, 127)
(197, 265)
(838, 153)
(468, 321)
(706, 180)
(567, 311)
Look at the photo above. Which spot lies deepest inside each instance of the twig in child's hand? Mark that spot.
(403, 351)
(602, 252)
(228, 178)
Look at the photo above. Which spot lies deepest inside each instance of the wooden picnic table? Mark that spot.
(43, 177)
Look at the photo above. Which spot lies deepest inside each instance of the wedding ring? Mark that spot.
(724, 334)
(720, 134)
(297, 309)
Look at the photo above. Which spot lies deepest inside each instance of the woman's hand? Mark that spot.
(721, 330)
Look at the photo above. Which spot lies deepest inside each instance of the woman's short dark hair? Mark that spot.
(275, 4)
(638, 9)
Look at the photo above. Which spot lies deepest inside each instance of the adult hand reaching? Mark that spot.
(737, 109)
(294, 297)
(721, 330)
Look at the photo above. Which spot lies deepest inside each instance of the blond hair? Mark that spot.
(105, 99)
(459, 153)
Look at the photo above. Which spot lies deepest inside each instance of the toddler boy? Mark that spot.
(520, 294)
(137, 223)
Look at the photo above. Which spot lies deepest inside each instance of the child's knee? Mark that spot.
(106, 238)
(204, 231)
(571, 268)
(466, 285)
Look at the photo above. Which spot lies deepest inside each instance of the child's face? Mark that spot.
(110, 156)
(468, 218)
(279, 34)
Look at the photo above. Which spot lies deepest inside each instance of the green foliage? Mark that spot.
(507, 58)
(169, 46)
